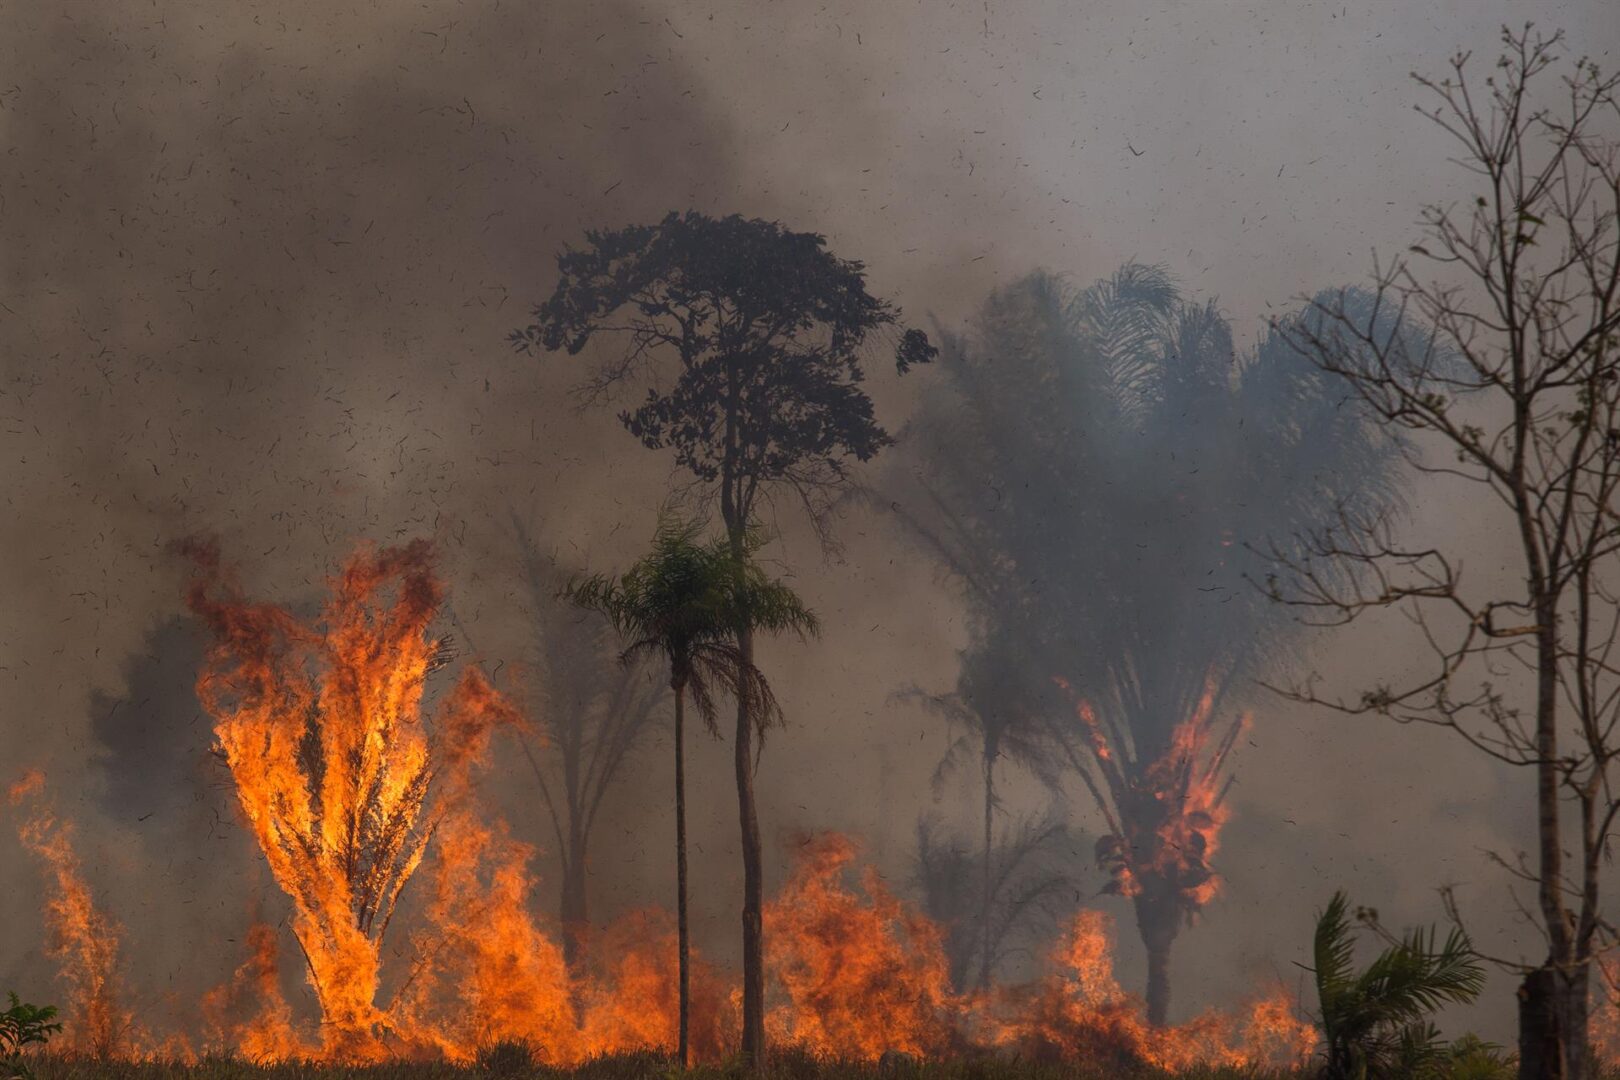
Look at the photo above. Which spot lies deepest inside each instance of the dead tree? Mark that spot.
(1515, 395)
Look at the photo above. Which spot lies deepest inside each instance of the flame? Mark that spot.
(860, 978)
(1186, 781)
(83, 940)
(340, 779)
(1079, 1013)
(632, 1003)
(1166, 816)
(355, 784)
(268, 1032)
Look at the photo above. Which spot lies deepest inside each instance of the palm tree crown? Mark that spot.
(684, 602)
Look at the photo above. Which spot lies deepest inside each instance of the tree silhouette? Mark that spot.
(1032, 879)
(683, 603)
(752, 336)
(595, 712)
(1089, 471)
(997, 722)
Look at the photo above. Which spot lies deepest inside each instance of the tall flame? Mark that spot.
(860, 977)
(83, 940)
(339, 777)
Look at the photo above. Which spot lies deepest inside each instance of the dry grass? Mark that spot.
(784, 1066)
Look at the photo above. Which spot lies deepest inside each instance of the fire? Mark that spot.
(83, 940)
(341, 780)
(357, 784)
(860, 978)
(631, 1000)
(1170, 810)
(1079, 1013)
(249, 1014)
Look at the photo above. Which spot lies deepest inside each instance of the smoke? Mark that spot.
(256, 268)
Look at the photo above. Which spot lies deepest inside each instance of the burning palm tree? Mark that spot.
(1090, 471)
(340, 780)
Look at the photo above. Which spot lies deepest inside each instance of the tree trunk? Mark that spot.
(989, 844)
(753, 1033)
(680, 872)
(1553, 1024)
(576, 919)
(1552, 999)
(1158, 982)
(1158, 920)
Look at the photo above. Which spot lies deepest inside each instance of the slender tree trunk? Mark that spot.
(734, 511)
(989, 843)
(1158, 921)
(680, 872)
(576, 920)
(1552, 999)
(753, 1034)
(1158, 982)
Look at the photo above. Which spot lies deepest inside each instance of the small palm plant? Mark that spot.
(685, 602)
(1375, 1023)
(23, 1025)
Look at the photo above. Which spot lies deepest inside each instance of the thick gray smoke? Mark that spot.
(259, 261)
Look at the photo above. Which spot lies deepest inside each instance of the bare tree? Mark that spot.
(1515, 394)
(594, 712)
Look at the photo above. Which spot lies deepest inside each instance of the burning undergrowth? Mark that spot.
(357, 780)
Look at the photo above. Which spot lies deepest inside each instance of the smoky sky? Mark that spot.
(257, 264)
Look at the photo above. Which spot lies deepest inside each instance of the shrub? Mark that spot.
(23, 1025)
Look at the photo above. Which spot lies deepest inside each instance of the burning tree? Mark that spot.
(1516, 397)
(1088, 471)
(83, 937)
(764, 330)
(340, 779)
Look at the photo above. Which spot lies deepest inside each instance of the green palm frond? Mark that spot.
(1376, 1023)
(1334, 951)
(687, 600)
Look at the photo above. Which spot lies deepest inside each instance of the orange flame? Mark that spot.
(339, 777)
(83, 940)
(1080, 1013)
(1166, 816)
(351, 794)
(268, 1033)
(860, 978)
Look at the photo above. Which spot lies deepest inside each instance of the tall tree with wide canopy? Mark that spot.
(1089, 470)
(751, 336)
(682, 603)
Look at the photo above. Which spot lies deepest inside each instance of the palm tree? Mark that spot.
(996, 723)
(1092, 471)
(1033, 873)
(1375, 1022)
(686, 602)
(595, 715)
